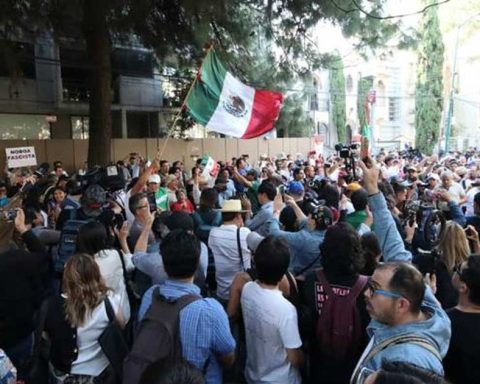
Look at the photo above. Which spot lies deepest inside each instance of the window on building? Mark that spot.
(393, 109)
(79, 127)
(129, 62)
(75, 74)
(142, 124)
(23, 127)
(17, 60)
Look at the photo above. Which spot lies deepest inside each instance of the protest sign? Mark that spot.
(21, 157)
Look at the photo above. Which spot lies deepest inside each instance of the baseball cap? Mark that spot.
(93, 199)
(354, 186)
(154, 179)
(433, 176)
(295, 188)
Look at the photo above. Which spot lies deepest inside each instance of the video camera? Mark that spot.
(109, 178)
(8, 215)
(431, 221)
(410, 154)
(348, 153)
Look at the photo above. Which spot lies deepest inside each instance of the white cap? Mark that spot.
(154, 179)
(433, 176)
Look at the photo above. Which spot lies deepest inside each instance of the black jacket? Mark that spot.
(22, 274)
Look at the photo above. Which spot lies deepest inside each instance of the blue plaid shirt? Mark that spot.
(204, 328)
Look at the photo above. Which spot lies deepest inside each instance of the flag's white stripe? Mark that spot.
(227, 123)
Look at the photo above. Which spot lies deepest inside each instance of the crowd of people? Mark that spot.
(341, 269)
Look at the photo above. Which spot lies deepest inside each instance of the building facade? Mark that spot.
(44, 91)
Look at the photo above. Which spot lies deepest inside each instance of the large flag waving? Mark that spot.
(223, 104)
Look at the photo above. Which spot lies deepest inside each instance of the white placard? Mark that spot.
(21, 157)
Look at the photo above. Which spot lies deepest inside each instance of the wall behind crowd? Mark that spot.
(73, 153)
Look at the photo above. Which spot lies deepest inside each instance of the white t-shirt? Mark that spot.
(111, 269)
(270, 328)
(223, 243)
(469, 204)
(91, 360)
(456, 191)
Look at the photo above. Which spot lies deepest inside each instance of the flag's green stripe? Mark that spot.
(203, 99)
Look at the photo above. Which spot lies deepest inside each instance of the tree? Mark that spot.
(178, 30)
(429, 86)
(337, 97)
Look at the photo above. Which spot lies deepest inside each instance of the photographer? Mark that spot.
(21, 274)
(305, 243)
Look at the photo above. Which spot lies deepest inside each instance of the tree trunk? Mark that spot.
(97, 38)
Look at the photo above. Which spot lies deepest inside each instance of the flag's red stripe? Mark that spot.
(265, 111)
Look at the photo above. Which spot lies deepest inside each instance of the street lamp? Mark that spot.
(448, 125)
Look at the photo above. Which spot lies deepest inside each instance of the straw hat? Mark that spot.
(232, 206)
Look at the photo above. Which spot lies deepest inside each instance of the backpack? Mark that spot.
(67, 245)
(338, 328)
(157, 343)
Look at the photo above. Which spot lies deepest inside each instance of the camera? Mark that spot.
(346, 151)
(8, 215)
(431, 222)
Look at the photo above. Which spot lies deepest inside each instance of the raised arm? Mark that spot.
(390, 240)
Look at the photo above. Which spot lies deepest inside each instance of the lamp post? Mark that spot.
(448, 125)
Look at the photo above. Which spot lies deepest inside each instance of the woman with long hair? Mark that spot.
(76, 319)
(453, 249)
(94, 240)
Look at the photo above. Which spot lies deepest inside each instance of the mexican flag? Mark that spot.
(222, 103)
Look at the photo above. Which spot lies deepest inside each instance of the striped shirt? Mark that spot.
(223, 243)
(204, 328)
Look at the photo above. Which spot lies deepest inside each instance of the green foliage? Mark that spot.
(429, 86)
(293, 120)
(275, 33)
(338, 98)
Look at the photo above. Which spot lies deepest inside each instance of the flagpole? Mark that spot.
(177, 116)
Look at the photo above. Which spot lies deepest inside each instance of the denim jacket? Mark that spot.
(436, 329)
(304, 244)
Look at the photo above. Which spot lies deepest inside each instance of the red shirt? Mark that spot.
(186, 206)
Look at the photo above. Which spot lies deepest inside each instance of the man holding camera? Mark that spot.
(305, 243)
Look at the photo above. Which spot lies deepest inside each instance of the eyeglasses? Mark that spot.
(382, 292)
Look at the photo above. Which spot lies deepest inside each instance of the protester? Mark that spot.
(305, 243)
(462, 357)
(93, 240)
(271, 326)
(204, 331)
(228, 243)
(22, 274)
(76, 319)
(408, 323)
(265, 194)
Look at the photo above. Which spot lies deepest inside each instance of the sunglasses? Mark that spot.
(375, 291)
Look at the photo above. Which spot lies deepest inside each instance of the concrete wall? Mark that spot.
(73, 153)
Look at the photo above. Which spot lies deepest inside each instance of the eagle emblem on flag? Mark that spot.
(235, 106)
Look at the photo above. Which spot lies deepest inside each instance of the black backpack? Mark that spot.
(157, 343)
